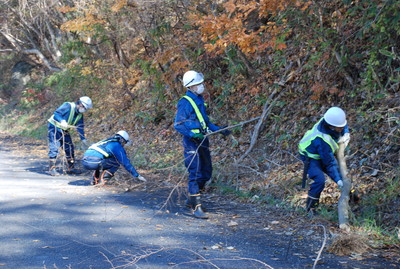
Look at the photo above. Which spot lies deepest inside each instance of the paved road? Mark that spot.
(63, 222)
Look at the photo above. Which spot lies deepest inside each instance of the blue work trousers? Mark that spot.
(96, 163)
(59, 139)
(198, 163)
(316, 172)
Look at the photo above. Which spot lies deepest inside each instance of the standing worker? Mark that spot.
(193, 123)
(317, 150)
(67, 116)
(106, 156)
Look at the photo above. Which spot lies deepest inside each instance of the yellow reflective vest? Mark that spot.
(312, 134)
(70, 120)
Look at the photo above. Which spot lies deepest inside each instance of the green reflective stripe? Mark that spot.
(98, 149)
(198, 113)
(70, 118)
(71, 115)
(196, 131)
(310, 135)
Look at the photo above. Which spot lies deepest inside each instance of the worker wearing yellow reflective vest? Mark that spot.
(67, 116)
(317, 150)
(106, 156)
(192, 122)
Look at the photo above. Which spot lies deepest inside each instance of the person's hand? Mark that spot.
(85, 142)
(141, 178)
(64, 124)
(345, 139)
(225, 132)
(198, 137)
(340, 184)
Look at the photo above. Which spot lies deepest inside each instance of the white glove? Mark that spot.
(64, 124)
(141, 178)
(84, 141)
(340, 183)
(345, 139)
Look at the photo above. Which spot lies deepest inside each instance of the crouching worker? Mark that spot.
(317, 150)
(106, 156)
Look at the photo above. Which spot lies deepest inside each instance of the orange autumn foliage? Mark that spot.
(244, 24)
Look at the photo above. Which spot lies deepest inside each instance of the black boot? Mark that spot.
(52, 167)
(311, 205)
(188, 204)
(196, 207)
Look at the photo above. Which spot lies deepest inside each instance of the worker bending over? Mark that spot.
(69, 115)
(106, 156)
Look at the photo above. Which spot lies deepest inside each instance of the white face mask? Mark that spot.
(200, 88)
(81, 109)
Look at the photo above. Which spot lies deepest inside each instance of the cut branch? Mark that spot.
(343, 204)
(42, 58)
(266, 110)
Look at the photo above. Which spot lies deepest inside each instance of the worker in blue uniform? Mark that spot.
(317, 149)
(106, 156)
(192, 122)
(68, 116)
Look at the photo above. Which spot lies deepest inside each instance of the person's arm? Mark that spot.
(120, 154)
(81, 128)
(62, 112)
(328, 159)
(185, 120)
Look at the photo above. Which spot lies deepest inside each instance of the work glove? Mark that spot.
(64, 124)
(340, 184)
(225, 132)
(198, 137)
(85, 142)
(141, 178)
(345, 139)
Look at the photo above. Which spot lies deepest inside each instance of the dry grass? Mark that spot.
(346, 244)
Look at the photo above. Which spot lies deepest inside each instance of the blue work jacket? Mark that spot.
(324, 150)
(115, 150)
(186, 118)
(62, 113)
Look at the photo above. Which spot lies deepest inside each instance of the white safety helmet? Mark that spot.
(191, 78)
(86, 102)
(124, 135)
(335, 116)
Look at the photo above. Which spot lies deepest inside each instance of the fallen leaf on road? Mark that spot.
(36, 240)
(232, 223)
(230, 248)
(216, 246)
(94, 235)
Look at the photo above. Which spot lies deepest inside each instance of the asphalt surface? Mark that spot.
(63, 222)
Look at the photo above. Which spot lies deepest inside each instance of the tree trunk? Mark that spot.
(343, 204)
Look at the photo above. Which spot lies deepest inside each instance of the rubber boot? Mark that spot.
(311, 205)
(196, 207)
(96, 177)
(52, 167)
(188, 204)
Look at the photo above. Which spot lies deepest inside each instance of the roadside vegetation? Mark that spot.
(294, 58)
